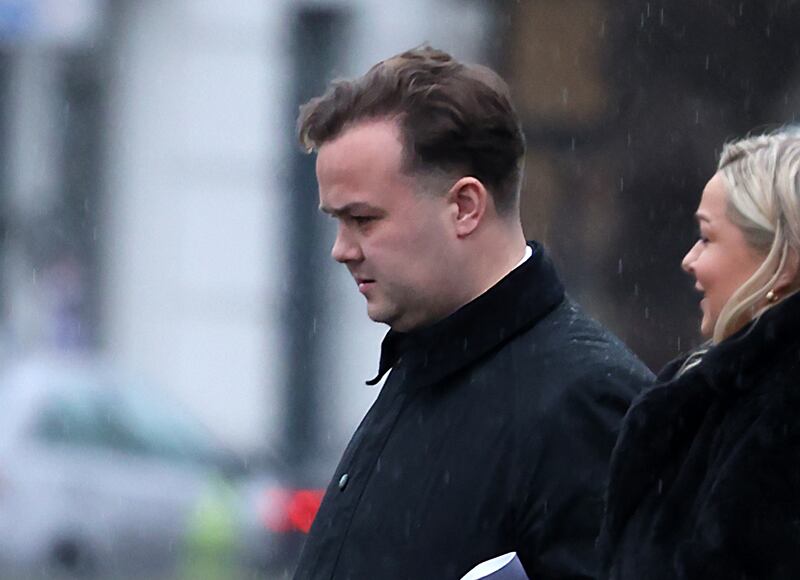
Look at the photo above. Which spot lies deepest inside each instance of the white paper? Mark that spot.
(505, 567)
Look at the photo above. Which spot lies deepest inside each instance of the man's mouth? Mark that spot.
(364, 284)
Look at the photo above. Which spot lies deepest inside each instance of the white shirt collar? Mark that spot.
(528, 254)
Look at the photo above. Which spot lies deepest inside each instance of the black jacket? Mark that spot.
(491, 434)
(705, 478)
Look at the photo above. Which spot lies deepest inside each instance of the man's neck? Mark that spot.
(499, 260)
(479, 268)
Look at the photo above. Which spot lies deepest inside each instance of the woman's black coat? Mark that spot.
(705, 476)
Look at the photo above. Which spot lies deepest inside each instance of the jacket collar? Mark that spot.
(732, 365)
(509, 307)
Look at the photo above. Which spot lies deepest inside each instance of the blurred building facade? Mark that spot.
(154, 205)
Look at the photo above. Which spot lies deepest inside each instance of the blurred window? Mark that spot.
(125, 420)
(73, 417)
(161, 429)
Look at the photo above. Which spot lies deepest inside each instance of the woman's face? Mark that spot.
(720, 260)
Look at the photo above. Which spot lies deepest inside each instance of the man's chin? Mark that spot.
(378, 315)
(390, 319)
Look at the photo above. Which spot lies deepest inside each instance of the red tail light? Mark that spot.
(287, 510)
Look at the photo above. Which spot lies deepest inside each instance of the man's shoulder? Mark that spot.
(569, 354)
(570, 331)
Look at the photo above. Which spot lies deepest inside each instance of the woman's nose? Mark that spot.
(690, 257)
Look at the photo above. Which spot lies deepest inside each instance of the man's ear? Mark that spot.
(787, 279)
(470, 199)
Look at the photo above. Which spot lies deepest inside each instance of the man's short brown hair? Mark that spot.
(453, 117)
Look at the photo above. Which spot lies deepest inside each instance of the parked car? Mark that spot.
(101, 477)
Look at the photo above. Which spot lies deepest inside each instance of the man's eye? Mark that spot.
(362, 219)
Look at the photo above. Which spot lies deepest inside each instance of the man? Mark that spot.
(494, 427)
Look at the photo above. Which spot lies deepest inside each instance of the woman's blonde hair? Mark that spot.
(762, 175)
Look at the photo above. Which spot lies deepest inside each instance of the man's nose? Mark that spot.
(690, 257)
(344, 248)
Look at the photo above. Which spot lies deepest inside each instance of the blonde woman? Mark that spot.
(705, 476)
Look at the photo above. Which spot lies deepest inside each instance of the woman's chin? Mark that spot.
(706, 328)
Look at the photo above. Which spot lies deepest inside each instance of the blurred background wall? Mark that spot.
(626, 105)
(155, 207)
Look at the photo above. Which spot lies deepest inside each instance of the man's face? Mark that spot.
(394, 240)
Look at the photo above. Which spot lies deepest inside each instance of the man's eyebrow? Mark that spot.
(347, 209)
(701, 217)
